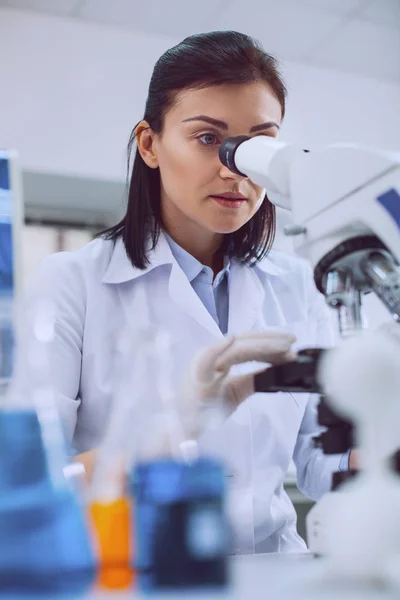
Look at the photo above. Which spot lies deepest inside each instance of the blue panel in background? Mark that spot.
(391, 201)
(6, 237)
(6, 203)
(6, 271)
(6, 257)
(4, 174)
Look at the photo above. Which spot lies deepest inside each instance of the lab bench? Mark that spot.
(262, 577)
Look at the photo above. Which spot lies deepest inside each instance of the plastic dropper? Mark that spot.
(110, 509)
(31, 389)
(160, 431)
(43, 393)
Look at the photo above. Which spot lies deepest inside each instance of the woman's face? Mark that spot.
(186, 152)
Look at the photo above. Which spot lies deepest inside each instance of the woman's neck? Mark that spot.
(192, 237)
(205, 251)
(203, 247)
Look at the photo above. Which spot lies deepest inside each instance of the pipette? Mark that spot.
(110, 508)
(162, 432)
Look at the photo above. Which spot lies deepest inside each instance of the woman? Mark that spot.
(192, 254)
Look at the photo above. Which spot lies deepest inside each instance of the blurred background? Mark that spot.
(74, 77)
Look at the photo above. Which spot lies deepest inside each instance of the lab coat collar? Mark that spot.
(120, 268)
(268, 266)
(246, 292)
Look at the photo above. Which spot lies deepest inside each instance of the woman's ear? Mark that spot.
(145, 143)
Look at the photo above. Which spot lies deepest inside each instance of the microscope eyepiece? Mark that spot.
(227, 152)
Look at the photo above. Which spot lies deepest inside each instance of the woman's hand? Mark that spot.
(209, 381)
(87, 459)
(354, 460)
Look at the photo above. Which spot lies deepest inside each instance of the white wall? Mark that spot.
(326, 106)
(72, 91)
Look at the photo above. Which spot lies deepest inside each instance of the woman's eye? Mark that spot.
(209, 139)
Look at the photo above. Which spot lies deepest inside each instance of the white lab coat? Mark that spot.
(97, 291)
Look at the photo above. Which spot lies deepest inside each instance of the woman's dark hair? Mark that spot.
(199, 61)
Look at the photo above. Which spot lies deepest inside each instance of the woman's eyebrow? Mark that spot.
(223, 125)
(210, 120)
(266, 125)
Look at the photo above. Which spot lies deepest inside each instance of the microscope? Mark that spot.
(345, 204)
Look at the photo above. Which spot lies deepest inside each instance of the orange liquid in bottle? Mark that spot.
(112, 524)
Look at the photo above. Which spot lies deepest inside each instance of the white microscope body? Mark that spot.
(345, 203)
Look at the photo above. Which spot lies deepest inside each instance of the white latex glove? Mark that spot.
(209, 381)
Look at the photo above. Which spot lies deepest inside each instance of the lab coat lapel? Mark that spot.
(121, 271)
(279, 301)
(246, 296)
(182, 293)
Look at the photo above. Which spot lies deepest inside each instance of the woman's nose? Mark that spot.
(226, 173)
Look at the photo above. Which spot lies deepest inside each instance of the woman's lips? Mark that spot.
(229, 202)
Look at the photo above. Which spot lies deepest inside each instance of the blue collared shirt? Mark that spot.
(213, 292)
